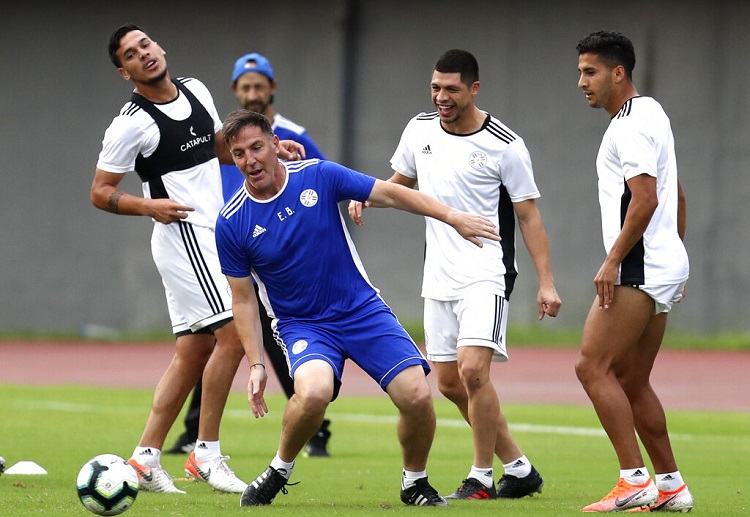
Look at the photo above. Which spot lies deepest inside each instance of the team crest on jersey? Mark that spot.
(299, 347)
(478, 160)
(308, 198)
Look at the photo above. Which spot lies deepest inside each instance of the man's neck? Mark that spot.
(619, 101)
(160, 92)
(469, 123)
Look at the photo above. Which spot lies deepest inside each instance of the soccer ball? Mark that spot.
(107, 485)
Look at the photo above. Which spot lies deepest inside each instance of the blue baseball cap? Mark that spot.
(252, 63)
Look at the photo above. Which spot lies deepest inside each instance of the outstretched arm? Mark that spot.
(357, 207)
(535, 237)
(247, 320)
(470, 226)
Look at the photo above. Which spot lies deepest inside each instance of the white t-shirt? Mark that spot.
(135, 132)
(482, 173)
(639, 140)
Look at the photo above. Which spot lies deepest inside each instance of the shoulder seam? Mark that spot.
(299, 165)
(234, 204)
(626, 109)
(130, 109)
(500, 132)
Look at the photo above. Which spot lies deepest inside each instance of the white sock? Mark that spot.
(205, 451)
(408, 477)
(483, 475)
(147, 456)
(669, 482)
(519, 468)
(635, 476)
(284, 468)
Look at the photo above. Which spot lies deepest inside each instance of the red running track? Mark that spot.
(684, 379)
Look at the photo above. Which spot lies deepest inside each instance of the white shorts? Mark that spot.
(478, 319)
(665, 296)
(198, 294)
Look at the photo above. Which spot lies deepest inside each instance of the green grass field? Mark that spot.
(62, 427)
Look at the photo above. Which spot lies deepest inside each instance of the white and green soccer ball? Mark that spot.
(107, 485)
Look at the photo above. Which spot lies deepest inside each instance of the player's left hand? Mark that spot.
(356, 208)
(290, 150)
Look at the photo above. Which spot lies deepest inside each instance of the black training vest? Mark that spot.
(182, 143)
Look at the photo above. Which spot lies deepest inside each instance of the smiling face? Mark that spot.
(142, 60)
(256, 155)
(453, 99)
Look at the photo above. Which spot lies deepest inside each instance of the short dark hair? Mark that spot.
(612, 48)
(238, 120)
(114, 41)
(461, 62)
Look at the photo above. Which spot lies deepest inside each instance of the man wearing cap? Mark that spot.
(254, 84)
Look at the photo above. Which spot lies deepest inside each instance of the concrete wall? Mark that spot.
(354, 72)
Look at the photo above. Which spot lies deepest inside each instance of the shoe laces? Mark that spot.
(427, 491)
(469, 484)
(268, 489)
(508, 479)
(221, 464)
(622, 487)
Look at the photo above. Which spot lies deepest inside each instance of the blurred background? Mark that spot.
(353, 72)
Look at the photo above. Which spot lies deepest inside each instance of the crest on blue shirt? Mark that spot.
(308, 197)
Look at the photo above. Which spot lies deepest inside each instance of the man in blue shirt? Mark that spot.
(283, 230)
(254, 83)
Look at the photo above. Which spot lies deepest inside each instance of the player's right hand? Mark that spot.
(167, 211)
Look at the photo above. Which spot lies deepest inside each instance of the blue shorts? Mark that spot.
(373, 338)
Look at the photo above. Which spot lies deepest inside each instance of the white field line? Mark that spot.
(349, 417)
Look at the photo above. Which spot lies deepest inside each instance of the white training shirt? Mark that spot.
(134, 132)
(639, 140)
(482, 173)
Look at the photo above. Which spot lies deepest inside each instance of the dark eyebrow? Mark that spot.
(137, 44)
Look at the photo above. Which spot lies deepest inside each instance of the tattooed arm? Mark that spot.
(105, 195)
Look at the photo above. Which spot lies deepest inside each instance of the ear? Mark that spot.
(124, 74)
(618, 73)
(475, 88)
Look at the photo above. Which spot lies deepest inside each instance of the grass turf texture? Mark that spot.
(62, 427)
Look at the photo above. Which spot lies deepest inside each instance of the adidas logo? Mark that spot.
(258, 230)
(147, 452)
(202, 446)
(668, 477)
(519, 463)
(637, 473)
(426, 149)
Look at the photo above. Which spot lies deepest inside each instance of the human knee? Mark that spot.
(312, 398)
(584, 371)
(451, 388)
(473, 375)
(420, 405)
(413, 397)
